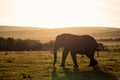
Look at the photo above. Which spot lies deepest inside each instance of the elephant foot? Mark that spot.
(53, 64)
(75, 66)
(62, 65)
(93, 63)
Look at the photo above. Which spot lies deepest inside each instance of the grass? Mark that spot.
(37, 65)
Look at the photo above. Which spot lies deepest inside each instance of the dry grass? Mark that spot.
(30, 65)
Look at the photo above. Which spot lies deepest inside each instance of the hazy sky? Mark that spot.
(60, 13)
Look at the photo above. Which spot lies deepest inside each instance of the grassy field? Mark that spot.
(37, 65)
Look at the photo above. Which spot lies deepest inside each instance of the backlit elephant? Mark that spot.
(74, 44)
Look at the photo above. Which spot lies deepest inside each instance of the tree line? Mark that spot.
(11, 44)
(109, 39)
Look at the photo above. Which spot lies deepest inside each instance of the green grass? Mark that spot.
(37, 65)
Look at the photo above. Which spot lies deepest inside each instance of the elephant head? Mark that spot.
(58, 44)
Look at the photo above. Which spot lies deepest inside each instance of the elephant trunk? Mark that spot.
(57, 45)
(55, 58)
(55, 52)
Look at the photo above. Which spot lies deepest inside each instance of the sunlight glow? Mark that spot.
(58, 13)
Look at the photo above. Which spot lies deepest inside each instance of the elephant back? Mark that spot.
(71, 41)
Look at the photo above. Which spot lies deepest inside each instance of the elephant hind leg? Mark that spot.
(93, 62)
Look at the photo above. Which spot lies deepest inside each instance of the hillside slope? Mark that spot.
(45, 35)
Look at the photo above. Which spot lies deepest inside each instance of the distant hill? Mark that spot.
(45, 35)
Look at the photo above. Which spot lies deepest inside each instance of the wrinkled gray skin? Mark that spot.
(74, 44)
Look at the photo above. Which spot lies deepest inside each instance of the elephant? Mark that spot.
(84, 44)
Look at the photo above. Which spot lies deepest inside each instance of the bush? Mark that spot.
(11, 44)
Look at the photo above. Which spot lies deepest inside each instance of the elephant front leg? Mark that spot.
(73, 54)
(93, 62)
(64, 56)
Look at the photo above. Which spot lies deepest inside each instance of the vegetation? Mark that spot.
(37, 65)
(11, 44)
(110, 39)
(29, 55)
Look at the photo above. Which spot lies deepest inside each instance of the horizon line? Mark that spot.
(58, 27)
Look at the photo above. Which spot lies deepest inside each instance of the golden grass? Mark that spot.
(37, 65)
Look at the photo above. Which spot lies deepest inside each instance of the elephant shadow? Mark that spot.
(76, 74)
